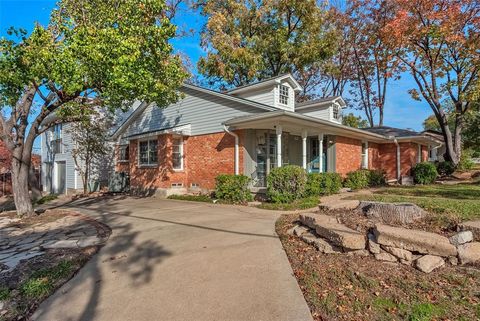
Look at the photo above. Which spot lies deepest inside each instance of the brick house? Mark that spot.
(250, 130)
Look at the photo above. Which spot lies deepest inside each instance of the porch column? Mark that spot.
(304, 149)
(320, 151)
(279, 145)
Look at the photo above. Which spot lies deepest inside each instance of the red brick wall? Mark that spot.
(349, 154)
(373, 155)
(205, 157)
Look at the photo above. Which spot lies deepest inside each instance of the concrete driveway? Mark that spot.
(176, 260)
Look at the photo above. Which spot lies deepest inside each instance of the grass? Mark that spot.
(46, 199)
(461, 201)
(193, 198)
(4, 293)
(42, 282)
(300, 204)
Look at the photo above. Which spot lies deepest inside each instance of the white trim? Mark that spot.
(278, 131)
(320, 152)
(419, 153)
(140, 165)
(304, 149)
(183, 130)
(365, 166)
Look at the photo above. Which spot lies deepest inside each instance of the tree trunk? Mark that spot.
(34, 185)
(450, 153)
(20, 175)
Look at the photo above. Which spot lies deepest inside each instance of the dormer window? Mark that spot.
(336, 112)
(283, 95)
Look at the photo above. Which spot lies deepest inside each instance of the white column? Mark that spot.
(279, 145)
(320, 151)
(304, 149)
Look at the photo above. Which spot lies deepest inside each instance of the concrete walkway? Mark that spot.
(176, 260)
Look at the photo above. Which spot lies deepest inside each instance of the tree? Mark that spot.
(92, 53)
(372, 59)
(251, 40)
(354, 121)
(438, 42)
(431, 123)
(91, 145)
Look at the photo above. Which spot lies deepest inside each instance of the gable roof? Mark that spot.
(320, 102)
(270, 81)
(139, 110)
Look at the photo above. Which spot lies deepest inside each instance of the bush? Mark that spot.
(323, 184)
(424, 173)
(286, 184)
(233, 188)
(376, 177)
(445, 168)
(466, 162)
(364, 178)
(358, 179)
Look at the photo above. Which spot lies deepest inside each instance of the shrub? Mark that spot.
(424, 173)
(286, 184)
(358, 179)
(233, 188)
(445, 168)
(466, 162)
(323, 184)
(376, 177)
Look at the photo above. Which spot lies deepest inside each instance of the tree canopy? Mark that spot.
(251, 40)
(92, 53)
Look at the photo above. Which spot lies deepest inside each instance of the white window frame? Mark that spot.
(364, 164)
(181, 152)
(336, 110)
(123, 159)
(283, 95)
(148, 164)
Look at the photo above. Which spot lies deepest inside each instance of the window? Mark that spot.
(123, 153)
(365, 155)
(177, 153)
(147, 152)
(283, 95)
(56, 142)
(336, 112)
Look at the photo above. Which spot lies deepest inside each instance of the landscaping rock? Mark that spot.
(461, 238)
(414, 240)
(299, 230)
(384, 256)
(428, 263)
(320, 244)
(468, 253)
(473, 226)
(373, 246)
(60, 244)
(392, 213)
(399, 253)
(334, 232)
(406, 262)
(358, 253)
(453, 260)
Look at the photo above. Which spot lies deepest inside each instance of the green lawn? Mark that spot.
(461, 201)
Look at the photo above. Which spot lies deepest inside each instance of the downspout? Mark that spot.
(236, 161)
(398, 158)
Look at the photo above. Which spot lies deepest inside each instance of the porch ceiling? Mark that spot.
(295, 123)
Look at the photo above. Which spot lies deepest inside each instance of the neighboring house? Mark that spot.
(437, 152)
(59, 173)
(250, 130)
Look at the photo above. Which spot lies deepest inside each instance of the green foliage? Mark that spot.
(298, 204)
(424, 173)
(249, 40)
(286, 184)
(233, 188)
(445, 168)
(193, 198)
(42, 282)
(323, 183)
(423, 312)
(46, 199)
(357, 180)
(364, 178)
(466, 162)
(4, 293)
(354, 121)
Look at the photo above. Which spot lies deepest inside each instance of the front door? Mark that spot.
(314, 164)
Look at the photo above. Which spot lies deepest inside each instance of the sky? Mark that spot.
(400, 109)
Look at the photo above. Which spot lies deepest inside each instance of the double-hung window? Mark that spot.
(365, 155)
(177, 153)
(147, 152)
(283, 95)
(56, 142)
(336, 112)
(123, 153)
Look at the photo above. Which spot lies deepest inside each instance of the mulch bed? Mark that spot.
(340, 287)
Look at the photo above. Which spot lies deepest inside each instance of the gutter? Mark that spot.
(398, 158)
(236, 148)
